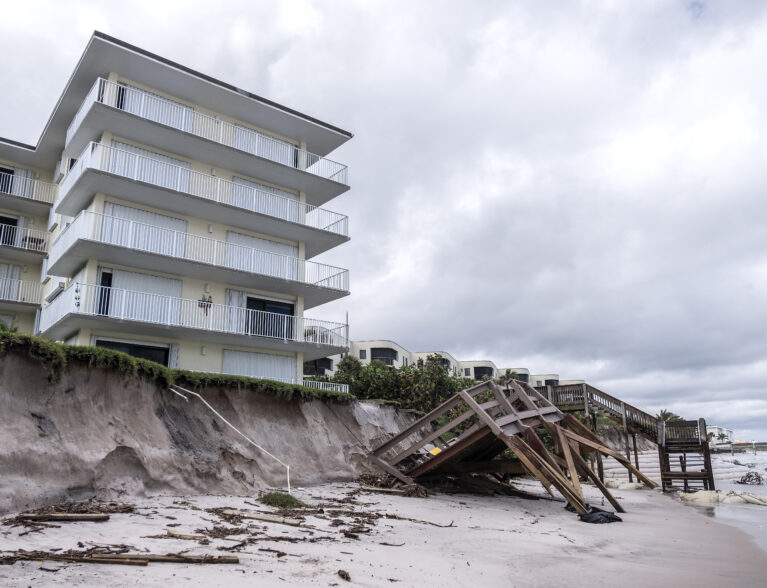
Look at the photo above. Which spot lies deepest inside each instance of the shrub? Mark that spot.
(282, 500)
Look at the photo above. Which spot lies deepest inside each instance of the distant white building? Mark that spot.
(395, 355)
(717, 430)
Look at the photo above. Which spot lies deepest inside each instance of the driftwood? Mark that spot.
(63, 516)
(127, 559)
(258, 516)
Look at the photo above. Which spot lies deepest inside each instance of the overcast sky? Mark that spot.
(575, 188)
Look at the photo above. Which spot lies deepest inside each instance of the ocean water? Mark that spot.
(750, 518)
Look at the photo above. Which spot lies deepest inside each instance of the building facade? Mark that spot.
(174, 217)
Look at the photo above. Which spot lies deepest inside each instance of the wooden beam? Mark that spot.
(597, 482)
(617, 456)
(517, 446)
(569, 459)
(389, 469)
(483, 416)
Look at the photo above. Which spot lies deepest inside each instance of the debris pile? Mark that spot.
(752, 479)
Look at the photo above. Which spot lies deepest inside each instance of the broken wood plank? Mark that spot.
(565, 447)
(597, 482)
(377, 489)
(257, 516)
(64, 516)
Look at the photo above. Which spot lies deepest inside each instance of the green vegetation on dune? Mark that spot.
(57, 357)
(282, 500)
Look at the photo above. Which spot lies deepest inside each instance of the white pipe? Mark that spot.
(214, 411)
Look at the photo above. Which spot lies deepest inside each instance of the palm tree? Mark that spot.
(668, 416)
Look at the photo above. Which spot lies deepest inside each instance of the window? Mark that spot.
(467, 372)
(156, 354)
(6, 180)
(8, 230)
(385, 354)
(404, 361)
(268, 323)
(444, 362)
(318, 366)
(363, 353)
(551, 383)
(481, 372)
(522, 377)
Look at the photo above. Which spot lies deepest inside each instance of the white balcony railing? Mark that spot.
(159, 173)
(21, 291)
(158, 309)
(328, 386)
(23, 238)
(16, 185)
(185, 118)
(120, 232)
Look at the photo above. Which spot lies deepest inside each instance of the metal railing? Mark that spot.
(145, 307)
(16, 185)
(185, 118)
(23, 238)
(21, 291)
(120, 232)
(175, 177)
(327, 386)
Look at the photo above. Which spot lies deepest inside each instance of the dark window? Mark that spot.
(6, 180)
(384, 354)
(102, 305)
(318, 366)
(271, 324)
(522, 377)
(121, 92)
(363, 353)
(8, 230)
(467, 372)
(482, 372)
(72, 163)
(551, 383)
(156, 354)
(444, 362)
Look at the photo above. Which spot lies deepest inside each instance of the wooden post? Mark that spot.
(548, 392)
(636, 454)
(626, 437)
(585, 401)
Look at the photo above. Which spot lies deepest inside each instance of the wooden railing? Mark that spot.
(588, 398)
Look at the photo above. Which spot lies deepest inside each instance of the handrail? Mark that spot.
(182, 245)
(573, 395)
(144, 307)
(24, 238)
(29, 188)
(185, 118)
(21, 291)
(181, 179)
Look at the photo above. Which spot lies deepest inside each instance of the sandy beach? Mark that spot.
(486, 541)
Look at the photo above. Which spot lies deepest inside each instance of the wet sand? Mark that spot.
(493, 541)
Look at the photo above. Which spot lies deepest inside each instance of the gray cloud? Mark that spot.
(575, 189)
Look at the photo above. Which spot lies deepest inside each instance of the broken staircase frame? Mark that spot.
(468, 432)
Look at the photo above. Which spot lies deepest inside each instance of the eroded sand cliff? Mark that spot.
(96, 433)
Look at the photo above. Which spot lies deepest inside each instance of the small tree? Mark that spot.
(668, 416)
(722, 438)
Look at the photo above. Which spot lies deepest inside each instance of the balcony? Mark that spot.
(22, 244)
(26, 194)
(140, 313)
(147, 181)
(20, 295)
(151, 120)
(123, 242)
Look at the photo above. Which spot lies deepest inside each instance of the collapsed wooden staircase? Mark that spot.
(470, 433)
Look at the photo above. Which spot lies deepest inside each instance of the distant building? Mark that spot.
(395, 355)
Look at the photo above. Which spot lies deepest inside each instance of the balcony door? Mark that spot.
(143, 230)
(269, 318)
(9, 230)
(266, 200)
(154, 107)
(261, 256)
(16, 181)
(140, 297)
(9, 281)
(150, 167)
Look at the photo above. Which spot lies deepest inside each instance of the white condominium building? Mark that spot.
(174, 217)
(395, 355)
